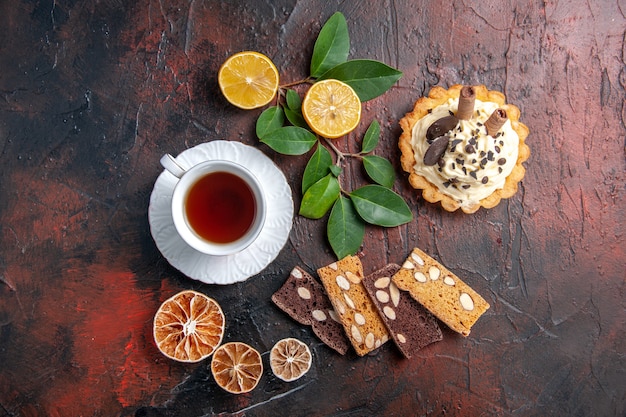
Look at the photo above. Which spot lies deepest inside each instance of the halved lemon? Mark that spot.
(188, 327)
(331, 108)
(248, 79)
(290, 359)
(236, 367)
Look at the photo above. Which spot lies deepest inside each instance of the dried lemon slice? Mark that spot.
(290, 359)
(248, 79)
(236, 367)
(188, 326)
(331, 108)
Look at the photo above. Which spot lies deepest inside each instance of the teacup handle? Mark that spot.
(169, 163)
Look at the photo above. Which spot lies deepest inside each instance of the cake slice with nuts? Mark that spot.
(410, 325)
(357, 313)
(304, 300)
(440, 291)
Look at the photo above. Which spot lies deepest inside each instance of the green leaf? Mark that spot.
(345, 229)
(380, 206)
(317, 167)
(368, 78)
(295, 118)
(293, 100)
(371, 137)
(320, 197)
(336, 170)
(332, 45)
(379, 170)
(290, 140)
(271, 119)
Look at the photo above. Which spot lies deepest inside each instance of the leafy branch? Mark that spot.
(283, 128)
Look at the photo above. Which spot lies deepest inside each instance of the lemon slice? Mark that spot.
(290, 359)
(188, 326)
(236, 367)
(248, 79)
(331, 108)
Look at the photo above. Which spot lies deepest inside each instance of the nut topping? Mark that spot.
(360, 320)
(433, 273)
(340, 306)
(354, 278)
(296, 273)
(304, 293)
(356, 334)
(389, 312)
(382, 296)
(349, 301)
(466, 301)
(401, 338)
(408, 265)
(342, 282)
(382, 282)
(419, 276)
(417, 259)
(318, 315)
(333, 315)
(448, 280)
(369, 340)
(395, 294)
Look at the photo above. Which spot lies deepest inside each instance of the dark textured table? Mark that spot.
(94, 92)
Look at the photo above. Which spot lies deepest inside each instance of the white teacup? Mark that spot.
(218, 206)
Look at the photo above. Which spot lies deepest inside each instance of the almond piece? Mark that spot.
(382, 296)
(389, 312)
(395, 294)
(304, 293)
(352, 277)
(382, 282)
(342, 282)
(318, 315)
(466, 301)
(433, 273)
(419, 276)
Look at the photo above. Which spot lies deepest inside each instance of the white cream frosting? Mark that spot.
(467, 177)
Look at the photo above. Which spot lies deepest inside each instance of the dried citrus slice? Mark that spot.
(331, 108)
(188, 326)
(236, 367)
(290, 359)
(248, 79)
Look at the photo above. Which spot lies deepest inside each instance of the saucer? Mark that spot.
(252, 260)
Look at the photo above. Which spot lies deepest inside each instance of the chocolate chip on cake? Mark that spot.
(437, 148)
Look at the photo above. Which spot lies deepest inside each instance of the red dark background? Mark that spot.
(94, 92)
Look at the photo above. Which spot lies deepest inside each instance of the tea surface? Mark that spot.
(220, 207)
